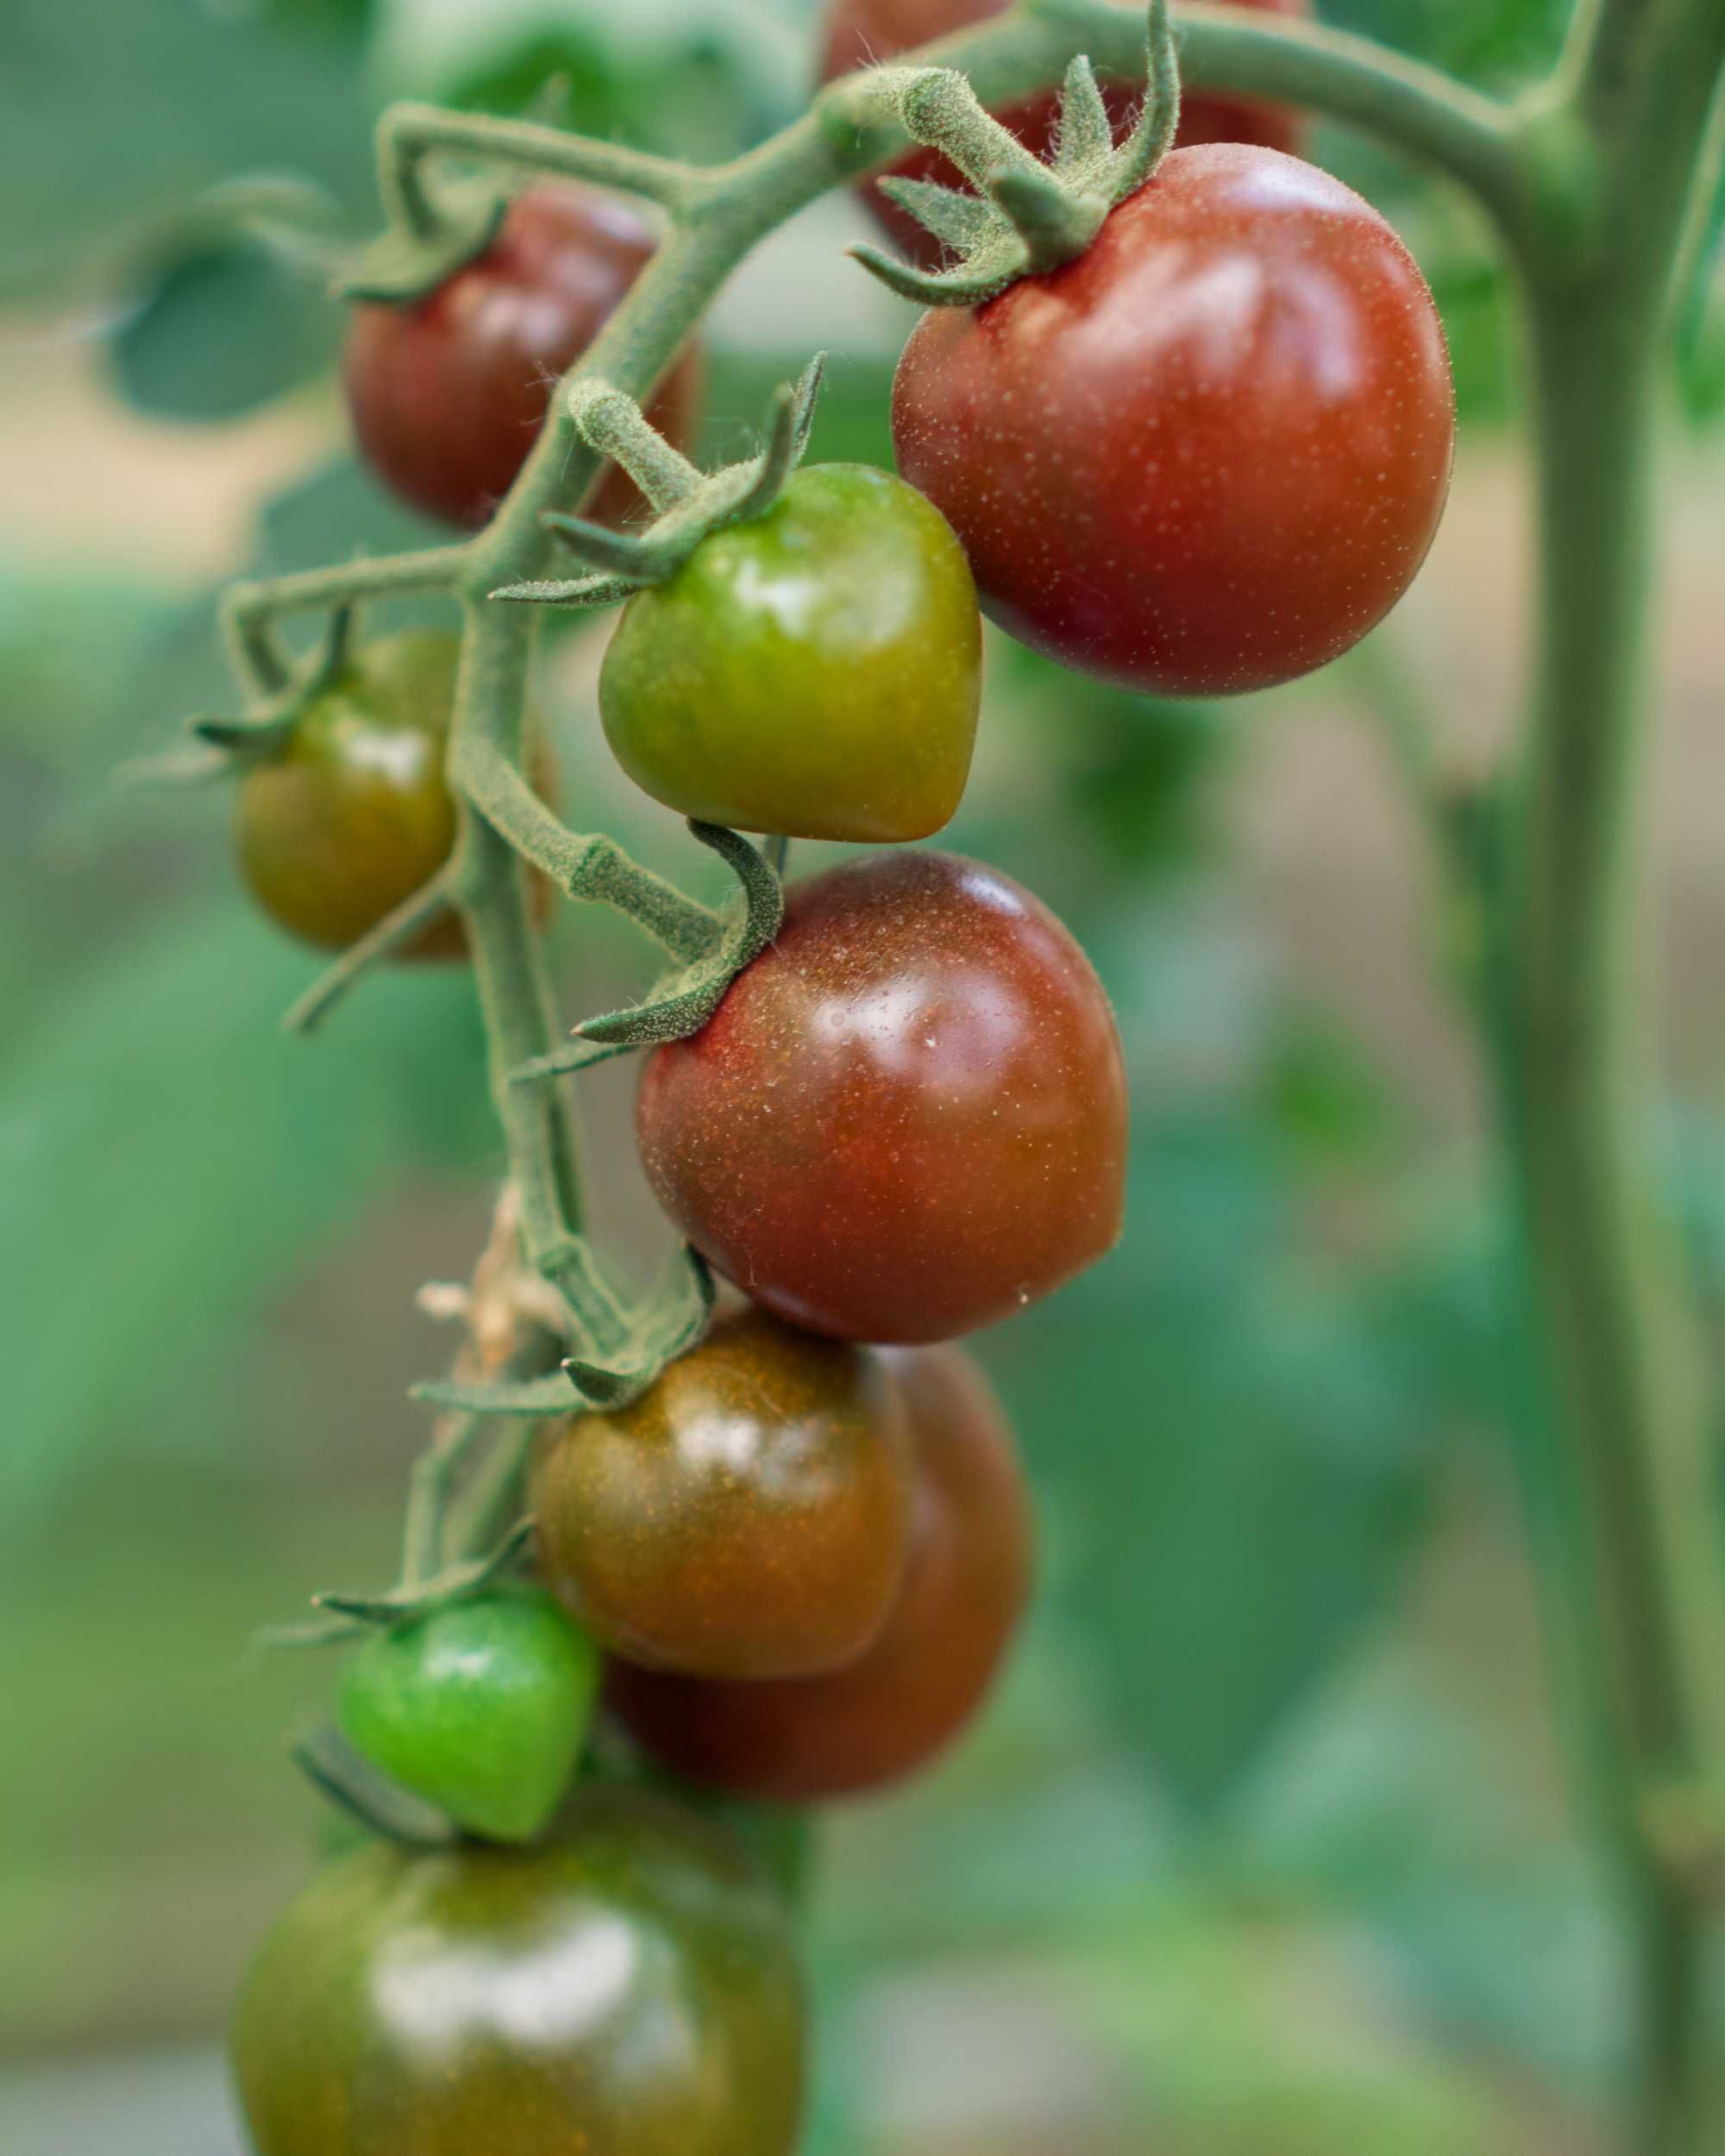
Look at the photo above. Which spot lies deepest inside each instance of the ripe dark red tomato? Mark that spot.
(925, 1677)
(352, 814)
(861, 32)
(628, 1990)
(1209, 454)
(448, 395)
(747, 1516)
(907, 1116)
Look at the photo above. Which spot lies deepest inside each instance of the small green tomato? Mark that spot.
(352, 814)
(815, 671)
(481, 1709)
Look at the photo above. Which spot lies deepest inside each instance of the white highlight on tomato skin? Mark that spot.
(430, 1994)
(398, 755)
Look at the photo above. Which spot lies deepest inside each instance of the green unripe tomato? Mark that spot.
(628, 1989)
(481, 1709)
(815, 671)
(352, 814)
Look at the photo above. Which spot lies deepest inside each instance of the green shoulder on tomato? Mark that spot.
(815, 671)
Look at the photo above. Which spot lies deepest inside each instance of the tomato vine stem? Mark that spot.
(1618, 1457)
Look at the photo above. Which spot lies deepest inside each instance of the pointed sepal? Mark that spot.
(330, 1764)
(401, 266)
(1026, 217)
(682, 1001)
(666, 1326)
(456, 1583)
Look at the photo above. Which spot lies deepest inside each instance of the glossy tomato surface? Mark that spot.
(352, 814)
(907, 1118)
(1212, 453)
(859, 33)
(480, 1707)
(815, 671)
(626, 1990)
(917, 1687)
(747, 1516)
(447, 395)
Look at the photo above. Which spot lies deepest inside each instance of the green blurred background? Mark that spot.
(1262, 1850)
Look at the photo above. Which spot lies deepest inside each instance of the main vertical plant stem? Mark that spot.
(1617, 1449)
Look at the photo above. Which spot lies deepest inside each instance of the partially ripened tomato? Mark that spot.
(352, 814)
(1210, 453)
(480, 1707)
(628, 1990)
(449, 394)
(747, 1516)
(907, 1118)
(925, 1677)
(860, 33)
(815, 671)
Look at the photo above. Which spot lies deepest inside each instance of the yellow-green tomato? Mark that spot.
(628, 1989)
(352, 814)
(816, 670)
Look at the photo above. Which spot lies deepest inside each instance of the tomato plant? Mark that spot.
(908, 1117)
(816, 671)
(1188, 412)
(1210, 453)
(863, 33)
(748, 1516)
(893, 1711)
(351, 812)
(628, 1990)
(481, 1708)
(449, 393)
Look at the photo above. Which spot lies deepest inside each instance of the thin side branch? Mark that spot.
(582, 866)
(409, 133)
(247, 610)
(391, 934)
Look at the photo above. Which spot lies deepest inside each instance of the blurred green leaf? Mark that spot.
(1700, 335)
(1384, 1802)
(1240, 1427)
(1494, 43)
(221, 330)
(171, 1159)
(698, 78)
(170, 98)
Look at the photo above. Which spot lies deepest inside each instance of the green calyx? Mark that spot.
(690, 503)
(612, 1364)
(1026, 217)
(223, 748)
(345, 1617)
(414, 256)
(707, 960)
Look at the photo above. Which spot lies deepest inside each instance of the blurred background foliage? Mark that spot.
(1261, 1850)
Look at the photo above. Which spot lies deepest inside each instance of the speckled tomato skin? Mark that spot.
(919, 1685)
(908, 1116)
(352, 814)
(816, 670)
(748, 1516)
(448, 395)
(860, 32)
(628, 1990)
(1212, 453)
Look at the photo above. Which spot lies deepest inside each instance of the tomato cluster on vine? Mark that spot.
(1205, 455)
